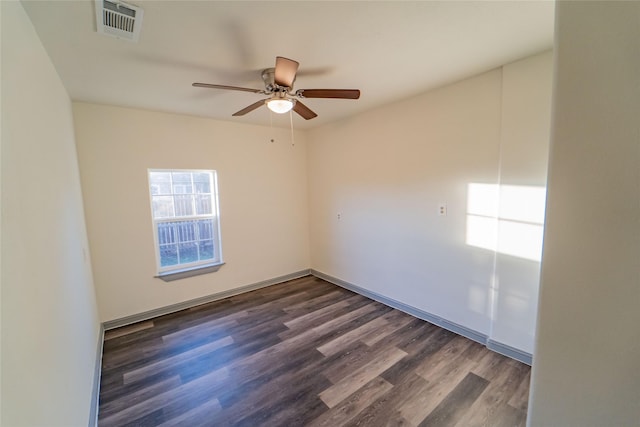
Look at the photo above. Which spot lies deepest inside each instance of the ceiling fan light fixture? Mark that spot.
(280, 106)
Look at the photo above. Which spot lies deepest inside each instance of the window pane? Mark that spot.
(194, 241)
(166, 234)
(182, 183)
(203, 204)
(161, 188)
(168, 255)
(188, 252)
(186, 231)
(202, 182)
(201, 177)
(162, 206)
(184, 207)
(205, 227)
(202, 187)
(160, 182)
(206, 249)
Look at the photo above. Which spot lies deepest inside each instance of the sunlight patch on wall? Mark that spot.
(508, 219)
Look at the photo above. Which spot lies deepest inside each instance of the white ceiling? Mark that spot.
(389, 50)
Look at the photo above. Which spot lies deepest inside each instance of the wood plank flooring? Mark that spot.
(304, 353)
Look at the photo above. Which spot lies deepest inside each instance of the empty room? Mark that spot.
(230, 213)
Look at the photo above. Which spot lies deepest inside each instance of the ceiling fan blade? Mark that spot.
(286, 70)
(212, 86)
(329, 93)
(250, 108)
(304, 111)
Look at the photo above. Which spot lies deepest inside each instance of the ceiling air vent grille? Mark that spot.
(118, 19)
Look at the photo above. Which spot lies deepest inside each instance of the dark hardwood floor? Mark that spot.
(304, 353)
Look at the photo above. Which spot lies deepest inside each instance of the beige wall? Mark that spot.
(263, 201)
(585, 369)
(387, 171)
(50, 325)
(524, 152)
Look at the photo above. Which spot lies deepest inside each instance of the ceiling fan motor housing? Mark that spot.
(268, 77)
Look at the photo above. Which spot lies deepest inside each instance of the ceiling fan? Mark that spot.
(278, 83)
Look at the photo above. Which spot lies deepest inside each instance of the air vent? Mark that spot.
(118, 19)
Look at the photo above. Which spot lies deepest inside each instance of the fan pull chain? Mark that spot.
(271, 124)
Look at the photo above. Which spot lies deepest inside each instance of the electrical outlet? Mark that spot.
(339, 215)
(442, 209)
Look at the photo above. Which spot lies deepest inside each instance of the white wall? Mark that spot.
(588, 344)
(50, 325)
(386, 171)
(263, 201)
(524, 152)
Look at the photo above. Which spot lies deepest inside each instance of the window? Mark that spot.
(184, 210)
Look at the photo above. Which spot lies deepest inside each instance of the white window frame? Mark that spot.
(215, 216)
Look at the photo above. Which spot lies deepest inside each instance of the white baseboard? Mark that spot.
(481, 338)
(135, 318)
(509, 351)
(95, 391)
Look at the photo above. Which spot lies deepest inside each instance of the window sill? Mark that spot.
(170, 276)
